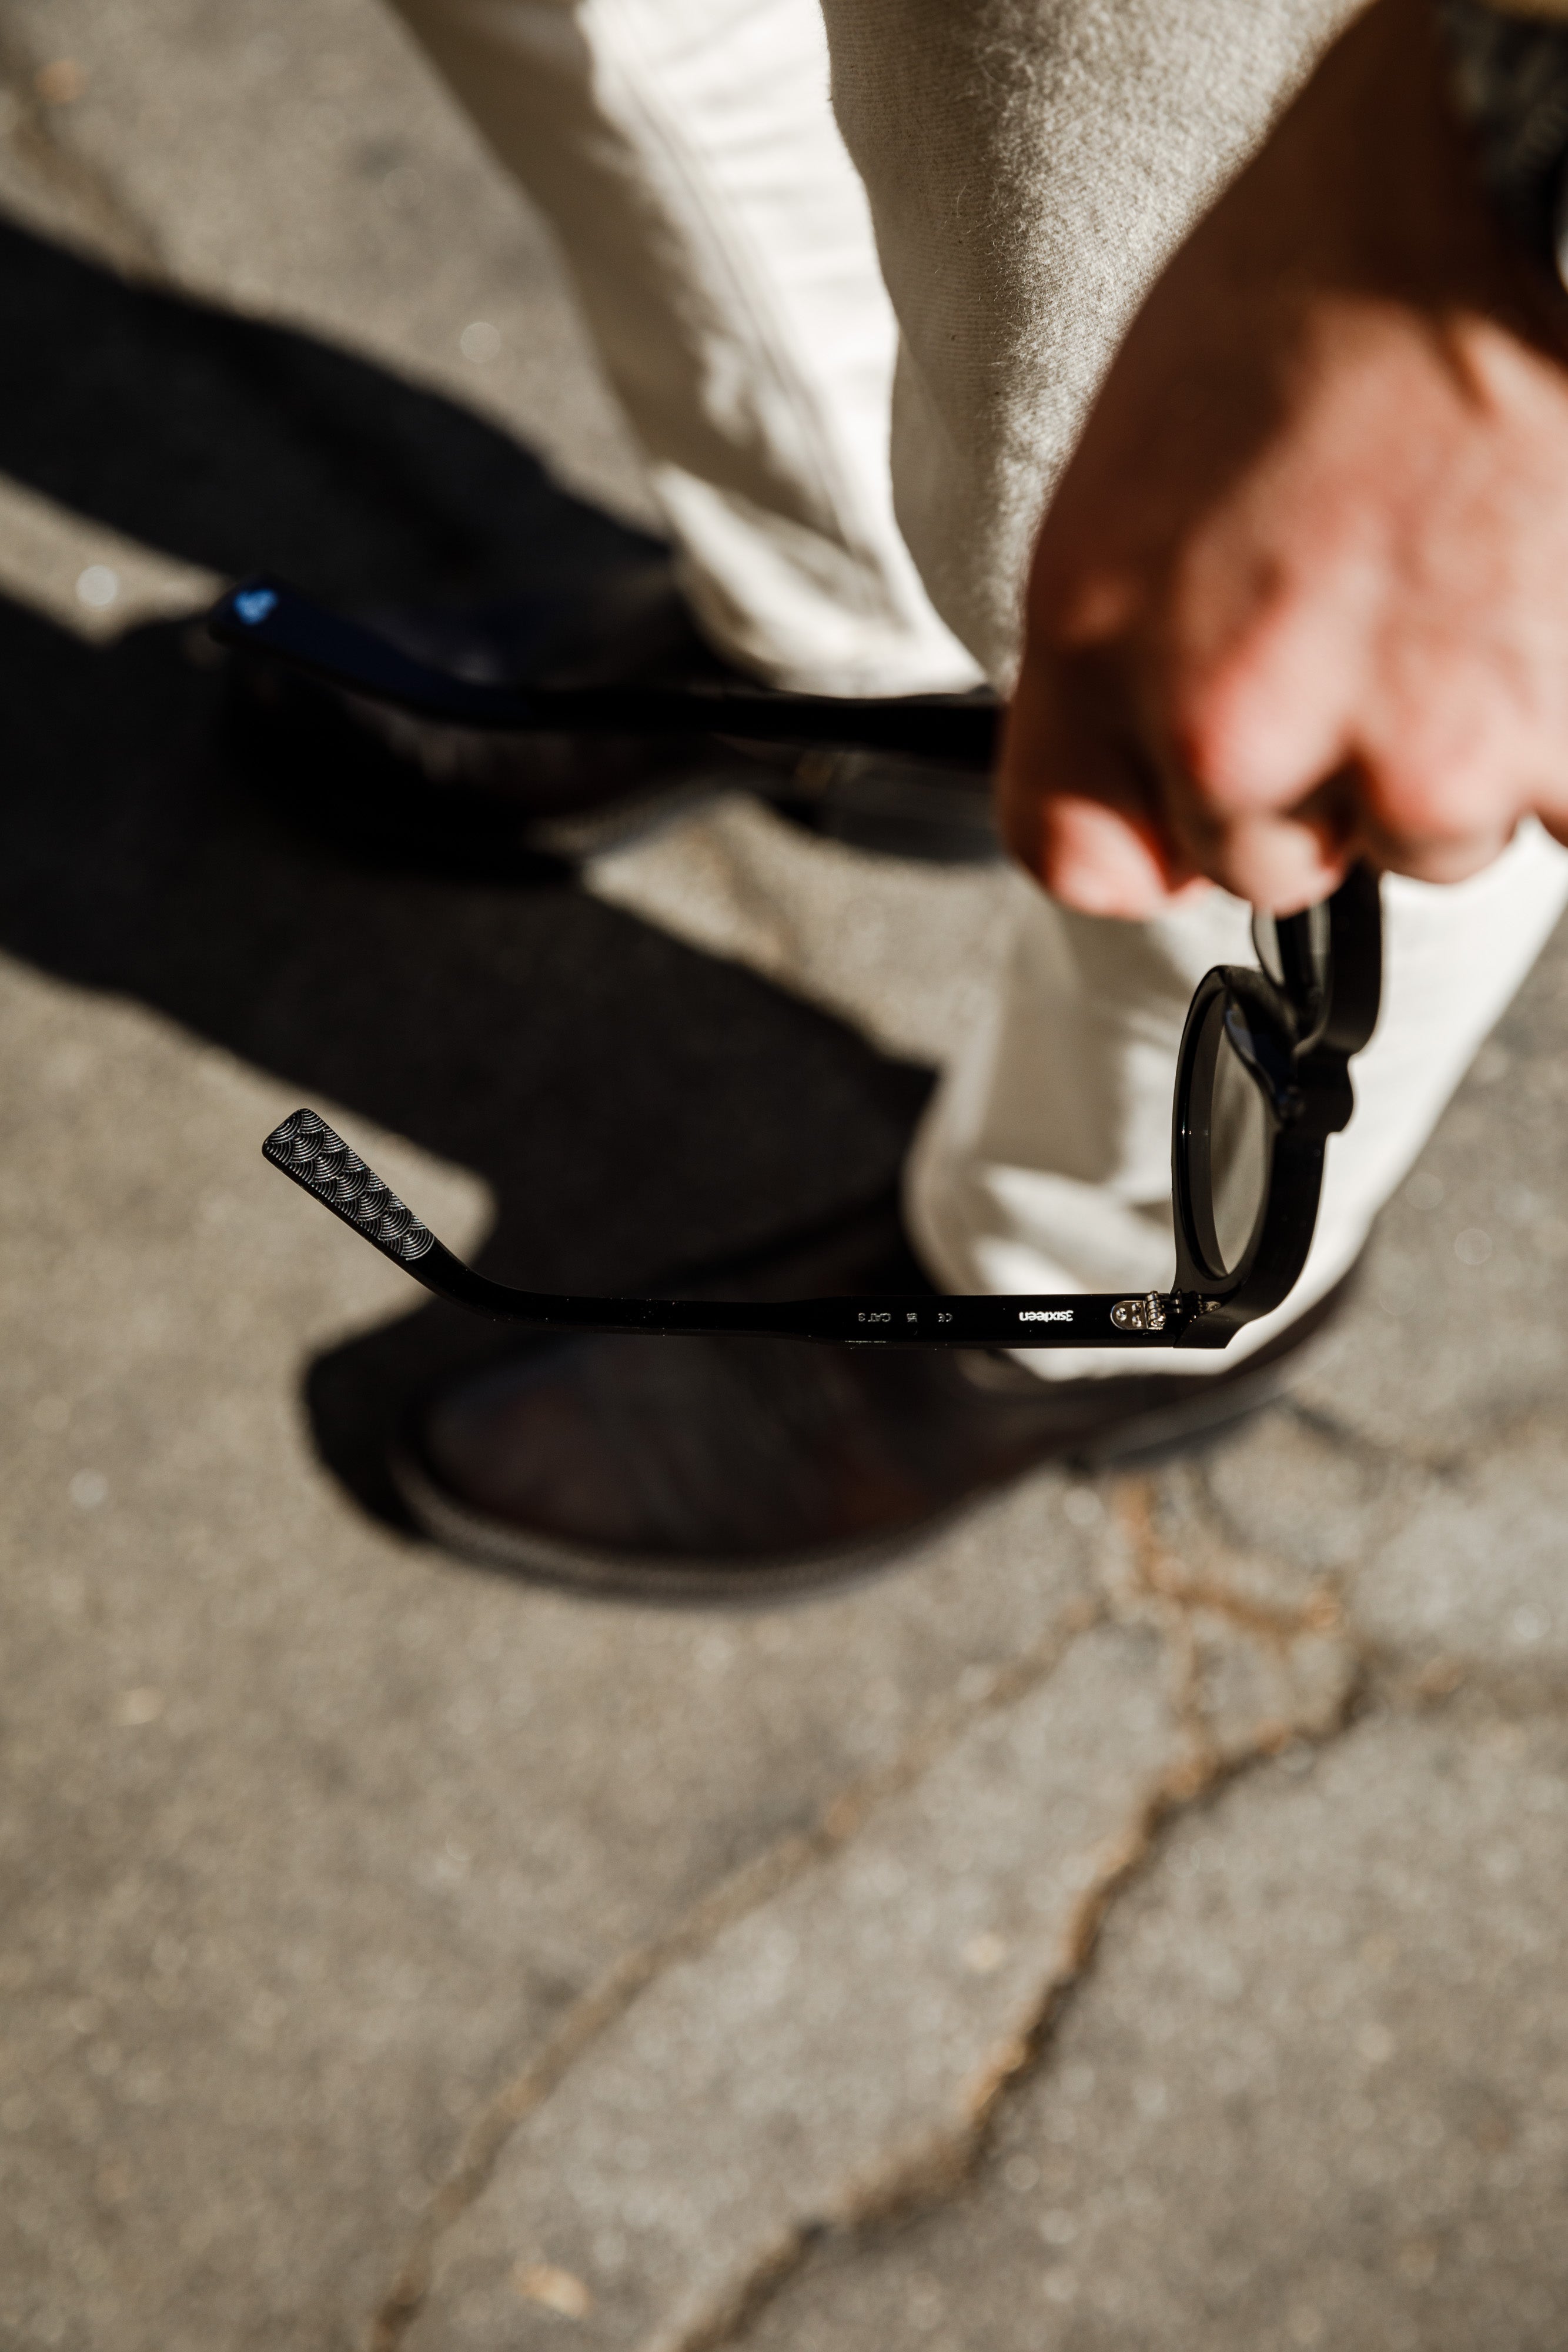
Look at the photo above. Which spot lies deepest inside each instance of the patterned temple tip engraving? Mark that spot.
(318, 1158)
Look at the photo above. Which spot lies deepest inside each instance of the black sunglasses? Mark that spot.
(1263, 1075)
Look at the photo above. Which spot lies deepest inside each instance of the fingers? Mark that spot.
(1192, 741)
(1280, 863)
(1253, 679)
(1101, 861)
(1266, 755)
(1281, 859)
(1118, 811)
(1448, 779)
(1451, 858)
(1077, 805)
(1111, 827)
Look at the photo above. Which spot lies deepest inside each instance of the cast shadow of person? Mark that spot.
(638, 1110)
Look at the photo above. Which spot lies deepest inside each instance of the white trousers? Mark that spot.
(854, 382)
(1044, 1164)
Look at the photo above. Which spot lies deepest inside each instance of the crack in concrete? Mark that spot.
(921, 2182)
(1163, 1577)
(756, 1882)
(1158, 1585)
(915, 2189)
(1386, 1665)
(920, 2185)
(1522, 1690)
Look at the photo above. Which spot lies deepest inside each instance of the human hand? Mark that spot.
(1301, 595)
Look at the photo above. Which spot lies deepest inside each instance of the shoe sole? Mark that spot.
(1155, 1434)
(666, 1580)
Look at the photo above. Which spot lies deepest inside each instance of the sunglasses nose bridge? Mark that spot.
(1266, 1048)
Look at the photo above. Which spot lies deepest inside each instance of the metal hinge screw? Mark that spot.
(1145, 1314)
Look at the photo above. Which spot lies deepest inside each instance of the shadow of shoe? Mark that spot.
(632, 1104)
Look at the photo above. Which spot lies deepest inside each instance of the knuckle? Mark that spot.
(1436, 802)
(1257, 688)
(1236, 739)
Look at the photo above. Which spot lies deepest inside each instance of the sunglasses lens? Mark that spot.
(1238, 1133)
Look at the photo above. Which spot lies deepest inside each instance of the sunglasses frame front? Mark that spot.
(1299, 1030)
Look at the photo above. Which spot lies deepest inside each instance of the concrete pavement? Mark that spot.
(1137, 1919)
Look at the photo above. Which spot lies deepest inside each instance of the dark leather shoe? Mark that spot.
(390, 788)
(745, 1469)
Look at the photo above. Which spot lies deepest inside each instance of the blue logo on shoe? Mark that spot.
(254, 605)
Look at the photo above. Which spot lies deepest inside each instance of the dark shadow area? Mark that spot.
(246, 446)
(638, 1108)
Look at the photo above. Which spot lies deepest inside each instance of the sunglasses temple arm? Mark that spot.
(307, 1150)
(264, 616)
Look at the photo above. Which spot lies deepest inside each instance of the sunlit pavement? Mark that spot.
(1138, 1918)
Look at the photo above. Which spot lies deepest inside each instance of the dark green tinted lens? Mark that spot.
(1238, 1149)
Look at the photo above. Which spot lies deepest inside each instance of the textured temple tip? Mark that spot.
(307, 1148)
